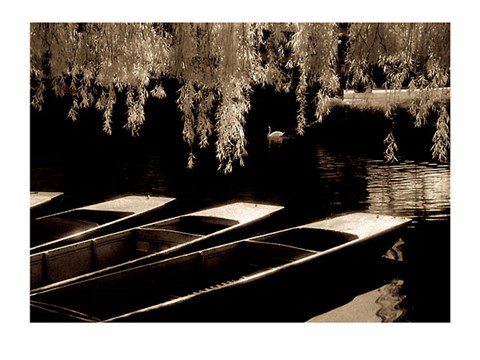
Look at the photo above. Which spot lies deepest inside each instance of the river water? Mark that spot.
(312, 180)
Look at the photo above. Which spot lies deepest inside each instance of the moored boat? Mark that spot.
(78, 224)
(147, 243)
(40, 198)
(156, 291)
(45, 202)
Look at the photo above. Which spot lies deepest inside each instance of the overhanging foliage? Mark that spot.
(218, 64)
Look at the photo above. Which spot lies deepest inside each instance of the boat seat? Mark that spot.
(193, 224)
(49, 229)
(153, 240)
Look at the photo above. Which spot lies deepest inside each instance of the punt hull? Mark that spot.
(217, 282)
(40, 198)
(66, 227)
(44, 202)
(148, 243)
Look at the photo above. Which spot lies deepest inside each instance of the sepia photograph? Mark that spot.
(225, 172)
(238, 182)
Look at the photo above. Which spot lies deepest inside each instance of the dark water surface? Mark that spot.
(312, 181)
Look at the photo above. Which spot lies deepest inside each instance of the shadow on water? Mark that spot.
(427, 274)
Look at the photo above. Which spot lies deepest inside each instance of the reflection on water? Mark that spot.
(312, 182)
(390, 300)
(409, 189)
(419, 190)
(396, 251)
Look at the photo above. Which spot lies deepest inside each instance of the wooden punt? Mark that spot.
(44, 202)
(147, 243)
(41, 198)
(163, 290)
(78, 224)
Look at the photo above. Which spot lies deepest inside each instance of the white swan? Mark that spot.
(275, 134)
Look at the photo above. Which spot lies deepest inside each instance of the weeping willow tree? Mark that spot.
(219, 64)
(411, 56)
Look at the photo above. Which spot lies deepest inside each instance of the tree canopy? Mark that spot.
(218, 65)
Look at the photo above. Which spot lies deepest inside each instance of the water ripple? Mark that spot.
(390, 300)
(409, 189)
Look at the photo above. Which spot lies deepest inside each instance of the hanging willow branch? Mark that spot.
(218, 64)
(441, 139)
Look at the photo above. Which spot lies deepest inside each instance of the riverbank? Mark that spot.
(378, 98)
(358, 122)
